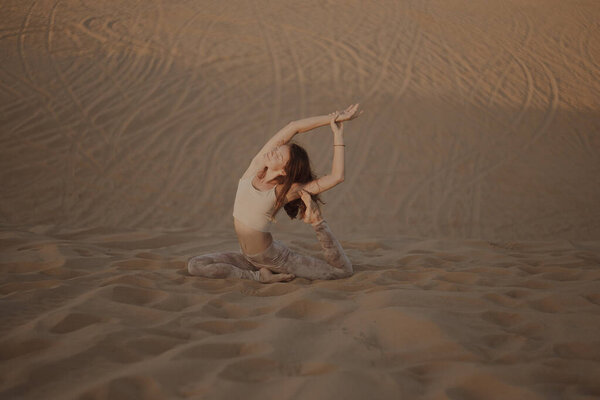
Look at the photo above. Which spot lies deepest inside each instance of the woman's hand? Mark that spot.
(312, 214)
(348, 114)
(336, 127)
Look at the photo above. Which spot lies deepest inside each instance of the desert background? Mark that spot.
(470, 206)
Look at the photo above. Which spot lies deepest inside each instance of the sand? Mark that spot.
(469, 210)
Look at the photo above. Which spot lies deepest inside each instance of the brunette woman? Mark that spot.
(280, 176)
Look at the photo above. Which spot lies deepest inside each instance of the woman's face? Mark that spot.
(277, 158)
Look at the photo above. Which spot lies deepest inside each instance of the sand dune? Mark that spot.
(480, 121)
(469, 209)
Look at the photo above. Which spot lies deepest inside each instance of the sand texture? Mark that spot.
(102, 315)
(470, 206)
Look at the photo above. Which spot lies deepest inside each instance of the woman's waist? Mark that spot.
(252, 241)
(257, 221)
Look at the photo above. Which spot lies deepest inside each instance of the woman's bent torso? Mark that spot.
(251, 240)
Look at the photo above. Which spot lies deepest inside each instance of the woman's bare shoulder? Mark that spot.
(256, 165)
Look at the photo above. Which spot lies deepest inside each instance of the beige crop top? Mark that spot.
(252, 206)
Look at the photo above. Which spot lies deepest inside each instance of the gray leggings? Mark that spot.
(277, 258)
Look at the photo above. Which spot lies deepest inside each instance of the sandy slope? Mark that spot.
(469, 209)
(481, 117)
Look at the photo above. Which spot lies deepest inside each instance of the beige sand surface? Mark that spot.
(95, 314)
(470, 205)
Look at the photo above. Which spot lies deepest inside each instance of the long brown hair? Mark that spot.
(297, 170)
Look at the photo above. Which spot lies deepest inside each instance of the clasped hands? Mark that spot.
(348, 114)
(337, 117)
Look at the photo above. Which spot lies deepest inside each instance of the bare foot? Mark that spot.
(266, 276)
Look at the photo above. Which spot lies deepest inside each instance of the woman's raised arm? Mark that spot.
(283, 136)
(306, 124)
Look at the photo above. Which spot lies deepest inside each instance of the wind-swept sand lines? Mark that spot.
(506, 72)
(275, 67)
(9, 33)
(79, 105)
(475, 209)
(478, 172)
(21, 43)
(363, 56)
(414, 44)
(29, 80)
(495, 91)
(587, 29)
(454, 59)
(553, 100)
(297, 63)
(479, 76)
(385, 58)
(66, 82)
(176, 40)
(132, 116)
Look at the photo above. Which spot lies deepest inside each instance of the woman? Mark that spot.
(280, 176)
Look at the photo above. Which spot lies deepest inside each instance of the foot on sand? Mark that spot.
(266, 276)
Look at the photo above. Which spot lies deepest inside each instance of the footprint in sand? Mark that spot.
(404, 276)
(176, 302)
(130, 387)
(578, 350)
(26, 286)
(153, 345)
(534, 284)
(548, 304)
(251, 370)
(275, 289)
(75, 321)
(136, 263)
(133, 279)
(504, 341)
(223, 309)
(307, 310)
(518, 293)
(222, 350)
(562, 275)
(531, 330)
(458, 277)
(502, 300)
(592, 298)
(221, 327)
(502, 318)
(10, 349)
(264, 369)
(134, 295)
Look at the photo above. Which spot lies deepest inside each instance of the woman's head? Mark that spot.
(296, 170)
(278, 158)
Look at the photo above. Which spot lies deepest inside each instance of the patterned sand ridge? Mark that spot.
(480, 119)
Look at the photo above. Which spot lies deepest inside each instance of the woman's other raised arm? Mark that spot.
(306, 124)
